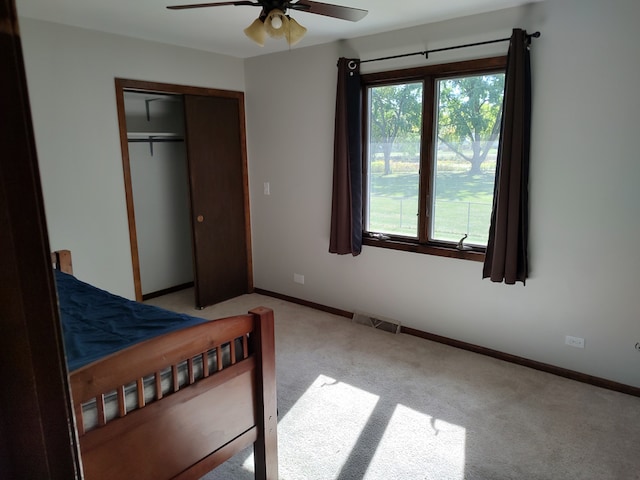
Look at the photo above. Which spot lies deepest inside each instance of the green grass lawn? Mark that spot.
(463, 205)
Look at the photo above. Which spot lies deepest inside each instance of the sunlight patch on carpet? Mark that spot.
(313, 419)
(249, 464)
(433, 449)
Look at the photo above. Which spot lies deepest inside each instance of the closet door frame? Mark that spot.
(123, 85)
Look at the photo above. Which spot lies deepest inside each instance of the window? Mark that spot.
(431, 145)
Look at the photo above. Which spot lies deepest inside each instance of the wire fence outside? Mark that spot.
(398, 215)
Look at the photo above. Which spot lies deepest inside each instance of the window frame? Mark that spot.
(428, 75)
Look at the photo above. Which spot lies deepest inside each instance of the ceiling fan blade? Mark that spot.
(218, 4)
(329, 10)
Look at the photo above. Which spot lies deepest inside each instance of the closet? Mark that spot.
(160, 188)
(185, 172)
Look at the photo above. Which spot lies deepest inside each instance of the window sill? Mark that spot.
(441, 251)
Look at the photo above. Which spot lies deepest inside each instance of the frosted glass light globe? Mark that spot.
(276, 22)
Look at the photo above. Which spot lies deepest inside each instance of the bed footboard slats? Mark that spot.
(141, 359)
(125, 398)
(233, 353)
(175, 377)
(245, 346)
(140, 388)
(102, 417)
(205, 365)
(190, 371)
(219, 358)
(122, 404)
(158, 385)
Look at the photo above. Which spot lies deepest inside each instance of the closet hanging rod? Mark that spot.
(455, 47)
(155, 140)
(151, 140)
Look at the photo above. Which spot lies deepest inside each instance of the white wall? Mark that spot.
(70, 74)
(584, 195)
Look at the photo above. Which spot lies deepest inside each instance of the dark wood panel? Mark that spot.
(216, 174)
(36, 421)
(210, 462)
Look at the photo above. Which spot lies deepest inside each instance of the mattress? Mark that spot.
(96, 323)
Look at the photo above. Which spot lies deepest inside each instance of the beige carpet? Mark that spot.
(357, 403)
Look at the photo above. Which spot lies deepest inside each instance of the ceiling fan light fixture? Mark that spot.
(295, 32)
(276, 23)
(273, 21)
(257, 31)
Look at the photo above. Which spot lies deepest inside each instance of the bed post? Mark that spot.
(266, 446)
(61, 260)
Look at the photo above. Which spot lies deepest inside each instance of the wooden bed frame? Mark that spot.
(187, 433)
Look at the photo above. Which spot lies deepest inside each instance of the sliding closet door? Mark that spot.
(216, 159)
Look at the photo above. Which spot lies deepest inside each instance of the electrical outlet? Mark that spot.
(574, 341)
(267, 188)
(297, 278)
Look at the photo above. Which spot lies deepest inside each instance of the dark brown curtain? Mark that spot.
(506, 257)
(346, 207)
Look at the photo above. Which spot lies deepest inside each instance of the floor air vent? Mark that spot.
(376, 321)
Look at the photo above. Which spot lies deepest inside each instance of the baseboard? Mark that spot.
(165, 291)
(299, 301)
(525, 362)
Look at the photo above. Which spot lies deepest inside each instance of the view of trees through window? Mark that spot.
(395, 132)
(464, 137)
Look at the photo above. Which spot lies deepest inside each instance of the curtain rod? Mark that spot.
(427, 52)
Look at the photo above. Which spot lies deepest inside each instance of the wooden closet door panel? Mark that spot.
(215, 159)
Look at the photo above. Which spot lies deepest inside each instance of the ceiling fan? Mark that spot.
(274, 21)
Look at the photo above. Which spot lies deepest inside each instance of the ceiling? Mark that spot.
(219, 29)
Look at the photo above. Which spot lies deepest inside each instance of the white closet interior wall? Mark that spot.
(160, 185)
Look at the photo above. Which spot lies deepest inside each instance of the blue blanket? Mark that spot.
(96, 323)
